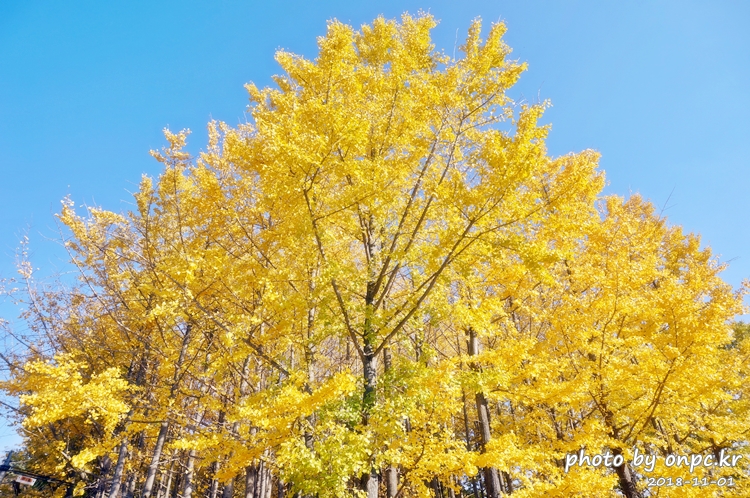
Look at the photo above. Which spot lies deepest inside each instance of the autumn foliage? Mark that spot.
(381, 285)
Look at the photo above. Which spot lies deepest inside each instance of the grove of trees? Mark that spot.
(381, 285)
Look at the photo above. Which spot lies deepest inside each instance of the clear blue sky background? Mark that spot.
(660, 88)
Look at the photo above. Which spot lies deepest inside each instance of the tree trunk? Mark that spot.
(114, 490)
(130, 488)
(213, 489)
(369, 366)
(228, 491)
(627, 478)
(436, 487)
(161, 488)
(267, 481)
(474, 485)
(371, 483)
(148, 485)
(258, 481)
(104, 467)
(391, 473)
(187, 485)
(507, 482)
(251, 477)
(168, 486)
(491, 477)
(177, 478)
(370, 371)
(391, 481)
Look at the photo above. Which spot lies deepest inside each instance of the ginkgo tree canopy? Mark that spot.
(380, 285)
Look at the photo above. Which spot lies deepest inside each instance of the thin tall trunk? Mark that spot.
(391, 481)
(130, 487)
(177, 478)
(213, 489)
(507, 482)
(391, 473)
(169, 475)
(259, 482)
(187, 485)
(115, 487)
(491, 477)
(104, 467)
(162, 486)
(310, 360)
(228, 491)
(114, 490)
(254, 480)
(165, 480)
(371, 483)
(474, 485)
(251, 477)
(148, 485)
(436, 487)
(370, 480)
(266, 482)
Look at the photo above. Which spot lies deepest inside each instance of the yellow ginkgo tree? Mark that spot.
(380, 285)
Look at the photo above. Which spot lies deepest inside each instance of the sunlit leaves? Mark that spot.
(342, 285)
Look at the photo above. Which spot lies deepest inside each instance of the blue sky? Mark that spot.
(660, 88)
